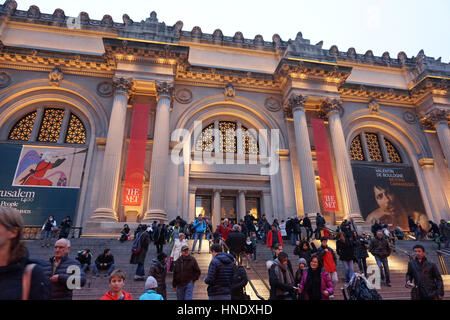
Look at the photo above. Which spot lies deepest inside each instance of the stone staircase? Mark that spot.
(96, 287)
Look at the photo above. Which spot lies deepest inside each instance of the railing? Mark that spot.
(396, 249)
(440, 255)
(36, 233)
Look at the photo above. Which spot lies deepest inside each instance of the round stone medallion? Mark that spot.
(183, 96)
(272, 104)
(410, 117)
(5, 79)
(105, 89)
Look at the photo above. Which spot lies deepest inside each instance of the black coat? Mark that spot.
(11, 281)
(278, 287)
(158, 270)
(220, 274)
(109, 260)
(236, 242)
(140, 257)
(360, 249)
(345, 250)
(306, 254)
(427, 278)
(238, 284)
(159, 234)
(248, 220)
(59, 289)
(306, 222)
(380, 247)
(83, 259)
(185, 270)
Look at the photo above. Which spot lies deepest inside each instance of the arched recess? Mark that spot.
(408, 141)
(22, 98)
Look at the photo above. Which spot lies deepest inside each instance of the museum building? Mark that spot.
(129, 122)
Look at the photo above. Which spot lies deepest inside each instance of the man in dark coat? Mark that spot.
(424, 277)
(220, 274)
(238, 284)
(281, 279)
(381, 250)
(65, 226)
(185, 272)
(263, 227)
(62, 280)
(159, 236)
(138, 257)
(104, 261)
(307, 225)
(243, 226)
(346, 251)
(249, 220)
(158, 270)
(320, 224)
(236, 242)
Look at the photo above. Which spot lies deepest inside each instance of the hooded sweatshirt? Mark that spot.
(110, 296)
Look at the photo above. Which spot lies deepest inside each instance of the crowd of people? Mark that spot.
(232, 246)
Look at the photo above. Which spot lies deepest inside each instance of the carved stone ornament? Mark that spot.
(164, 89)
(272, 104)
(297, 101)
(55, 77)
(373, 107)
(122, 85)
(433, 118)
(409, 117)
(330, 106)
(229, 92)
(183, 96)
(105, 89)
(5, 79)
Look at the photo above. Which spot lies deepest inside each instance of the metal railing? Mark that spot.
(440, 255)
(36, 233)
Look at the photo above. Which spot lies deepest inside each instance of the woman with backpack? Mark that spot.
(20, 278)
(139, 251)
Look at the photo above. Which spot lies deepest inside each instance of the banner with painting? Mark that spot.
(41, 181)
(389, 194)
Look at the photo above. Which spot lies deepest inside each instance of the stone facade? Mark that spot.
(99, 69)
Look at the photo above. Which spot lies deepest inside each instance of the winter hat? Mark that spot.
(161, 256)
(302, 260)
(151, 283)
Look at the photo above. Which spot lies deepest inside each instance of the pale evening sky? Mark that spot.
(378, 25)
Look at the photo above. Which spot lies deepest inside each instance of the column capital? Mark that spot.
(217, 190)
(431, 119)
(243, 191)
(331, 106)
(123, 85)
(297, 101)
(164, 90)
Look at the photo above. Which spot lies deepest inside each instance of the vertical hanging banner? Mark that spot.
(134, 175)
(324, 163)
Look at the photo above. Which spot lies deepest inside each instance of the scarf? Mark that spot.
(283, 273)
(313, 285)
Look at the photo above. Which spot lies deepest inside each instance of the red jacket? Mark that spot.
(109, 296)
(269, 238)
(224, 231)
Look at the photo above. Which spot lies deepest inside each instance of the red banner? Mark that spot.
(134, 176)
(324, 163)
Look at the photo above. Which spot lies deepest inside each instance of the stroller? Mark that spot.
(360, 289)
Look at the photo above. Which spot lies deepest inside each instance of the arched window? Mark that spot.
(370, 146)
(228, 142)
(52, 125)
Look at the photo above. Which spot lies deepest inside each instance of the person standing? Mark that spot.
(302, 267)
(263, 228)
(158, 270)
(57, 272)
(424, 277)
(320, 224)
(346, 251)
(150, 290)
(274, 238)
(281, 279)
(48, 228)
(305, 250)
(250, 223)
(159, 236)
(236, 242)
(116, 283)
(238, 284)
(316, 283)
(308, 227)
(220, 274)
(15, 264)
(139, 251)
(185, 272)
(176, 250)
(199, 227)
(104, 261)
(444, 229)
(360, 245)
(328, 259)
(381, 250)
(64, 228)
(225, 229)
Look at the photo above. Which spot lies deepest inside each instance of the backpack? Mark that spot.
(136, 247)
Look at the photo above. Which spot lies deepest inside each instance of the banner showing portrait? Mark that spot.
(41, 181)
(389, 194)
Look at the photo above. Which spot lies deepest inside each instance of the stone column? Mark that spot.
(160, 155)
(216, 208)
(343, 166)
(439, 119)
(305, 163)
(241, 205)
(113, 153)
(191, 215)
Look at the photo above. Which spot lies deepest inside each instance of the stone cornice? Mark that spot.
(430, 120)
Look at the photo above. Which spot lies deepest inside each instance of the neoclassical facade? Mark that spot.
(229, 124)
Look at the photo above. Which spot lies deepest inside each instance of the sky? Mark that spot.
(377, 25)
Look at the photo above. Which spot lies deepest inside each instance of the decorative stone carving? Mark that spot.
(277, 42)
(10, 6)
(5, 79)
(84, 18)
(330, 106)
(297, 101)
(259, 40)
(59, 15)
(183, 96)
(238, 37)
(217, 35)
(409, 117)
(55, 77)
(369, 54)
(351, 53)
(272, 104)
(432, 118)
(402, 57)
(107, 21)
(153, 17)
(197, 32)
(122, 85)
(127, 20)
(164, 89)
(105, 89)
(334, 51)
(229, 92)
(177, 28)
(34, 12)
(373, 107)
(386, 57)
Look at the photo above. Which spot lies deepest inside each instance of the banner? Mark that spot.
(329, 199)
(41, 181)
(134, 176)
(389, 194)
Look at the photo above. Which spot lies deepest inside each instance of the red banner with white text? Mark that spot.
(134, 175)
(324, 163)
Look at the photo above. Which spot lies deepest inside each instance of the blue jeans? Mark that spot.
(383, 263)
(85, 267)
(140, 271)
(185, 293)
(348, 270)
(221, 297)
(293, 238)
(111, 269)
(197, 236)
(254, 253)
